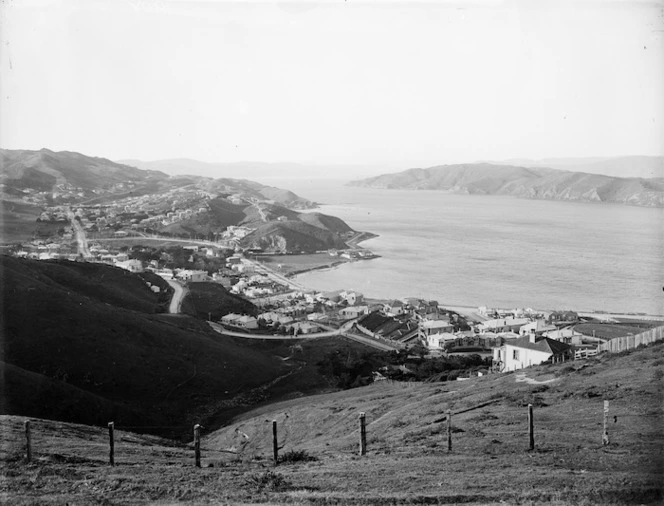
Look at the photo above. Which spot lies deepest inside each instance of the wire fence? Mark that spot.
(490, 429)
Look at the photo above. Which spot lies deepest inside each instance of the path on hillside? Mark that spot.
(275, 337)
(343, 331)
(260, 210)
(522, 378)
(178, 294)
(81, 240)
(197, 242)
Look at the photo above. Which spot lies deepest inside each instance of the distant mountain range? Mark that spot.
(31, 181)
(262, 171)
(525, 182)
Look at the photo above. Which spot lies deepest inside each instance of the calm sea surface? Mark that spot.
(496, 251)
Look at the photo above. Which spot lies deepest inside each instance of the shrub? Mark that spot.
(293, 456)
(269, 480)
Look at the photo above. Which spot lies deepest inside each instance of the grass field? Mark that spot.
(407, 461)
(610, 331)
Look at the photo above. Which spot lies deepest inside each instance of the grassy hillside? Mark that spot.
(18, 221)
(407, 459)
(293, 236)
(89, 327)
(528, 182)
(44, 169)
(212, 300)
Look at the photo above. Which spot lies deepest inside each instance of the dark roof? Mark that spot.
(544, 344)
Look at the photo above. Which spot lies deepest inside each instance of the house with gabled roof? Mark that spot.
(527, 351)
(394, 308)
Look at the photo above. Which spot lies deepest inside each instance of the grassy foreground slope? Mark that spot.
(407, 460)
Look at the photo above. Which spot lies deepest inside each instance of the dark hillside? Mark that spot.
(162, 367)
(104, 283)
(292, 236)
(211, 300)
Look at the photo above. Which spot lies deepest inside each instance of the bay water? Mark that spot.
(495, 251)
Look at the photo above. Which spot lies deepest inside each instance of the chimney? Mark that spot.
(533, 336)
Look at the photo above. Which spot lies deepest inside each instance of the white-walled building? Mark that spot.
(437, 341)
(528, 351)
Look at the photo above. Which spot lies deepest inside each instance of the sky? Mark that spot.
(379, 83)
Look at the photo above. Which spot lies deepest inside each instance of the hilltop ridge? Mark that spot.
(525, 182)
(39, 188)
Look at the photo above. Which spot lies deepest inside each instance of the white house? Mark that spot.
(304, 328)
(436, 341)
(132, 265)
(352, 297)
(535, 327)
(194, 276)
(353, 311)
(394, 308)
(247, 322)
(230, 318)
(502, 324)
(527, 351)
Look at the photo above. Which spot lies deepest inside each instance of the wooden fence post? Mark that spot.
(197, 445)
(28, 442)
(449, 430)
(605, 433)
(275, 444)
(111, 443)
(531, 428)
(363, 434)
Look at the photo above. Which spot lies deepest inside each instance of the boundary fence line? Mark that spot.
(619, 344)
(526, 430)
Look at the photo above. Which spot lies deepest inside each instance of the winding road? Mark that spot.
(343, 331)
(81, 240)
(178, 294)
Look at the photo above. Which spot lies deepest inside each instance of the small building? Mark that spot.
(132, 265)
(230, 318)
(247, 322)
(438, 340)
(351, 297)
(304, 328)
(192, 276)
(538, 327)
(351, 312)
(503, 325)
(394, 308)
(528, 351)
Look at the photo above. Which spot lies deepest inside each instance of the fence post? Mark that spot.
(531, 428)
(363, 434)
(111, 443)
(275, 445)
(197, 445)
(605, 433)
(28, 442)
(449, 430)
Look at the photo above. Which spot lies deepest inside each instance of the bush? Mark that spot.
(269, 480)
(293, 456)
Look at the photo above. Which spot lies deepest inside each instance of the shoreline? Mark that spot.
(465, 308)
